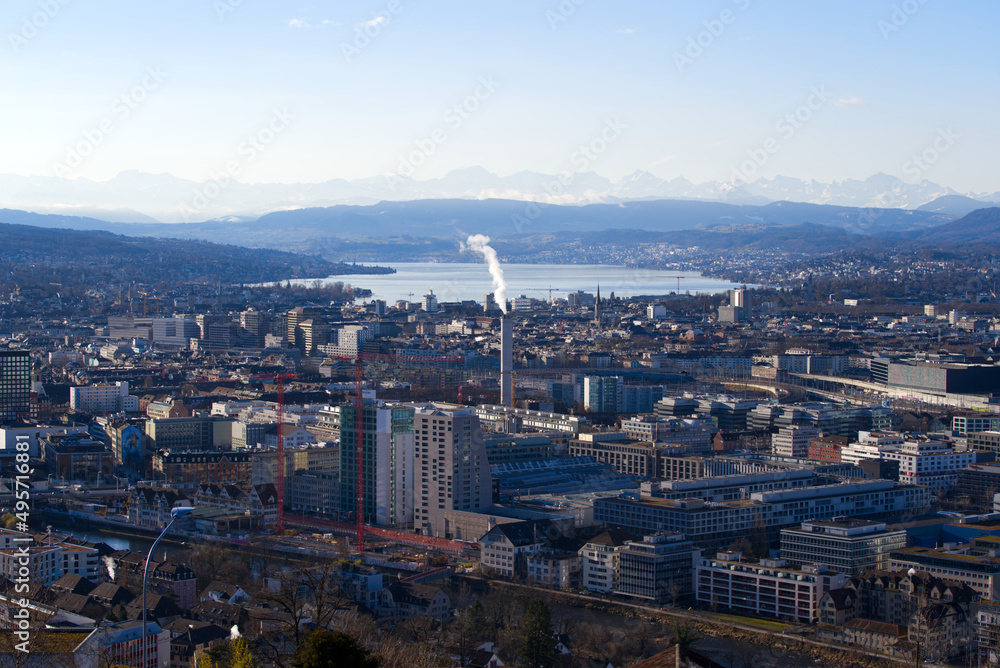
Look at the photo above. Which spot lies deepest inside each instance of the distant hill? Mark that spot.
(981, 226)
(953, 205)
(329, 231)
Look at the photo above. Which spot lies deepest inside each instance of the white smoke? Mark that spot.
(480, 243)
(110, 564)
(234, 632)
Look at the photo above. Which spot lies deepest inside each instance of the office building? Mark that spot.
(175, 332)
(451, 467)
(845, 545)
(15, 386)
(257, 325)
(658, 568)
(770, 588)
(190, 433)
(793, 441)
(718, 524)
(603, 394)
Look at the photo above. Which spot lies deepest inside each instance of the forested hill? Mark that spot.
(91, 257)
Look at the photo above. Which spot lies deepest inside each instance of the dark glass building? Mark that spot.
(15, 386)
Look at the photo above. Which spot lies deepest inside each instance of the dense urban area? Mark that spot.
(799, 473)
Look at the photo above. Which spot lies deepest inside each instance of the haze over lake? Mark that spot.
(460, 281)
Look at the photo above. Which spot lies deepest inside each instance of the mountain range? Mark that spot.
(138, 197)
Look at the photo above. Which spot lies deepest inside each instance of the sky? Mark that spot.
(306, 92)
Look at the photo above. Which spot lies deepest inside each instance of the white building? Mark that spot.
(451, 471)
(552, 568)
(770, 588)
(929, 462)
(504, 548)
(793, 441)
(103, 398)
(599, 561)
(871, 445)
(429, 303)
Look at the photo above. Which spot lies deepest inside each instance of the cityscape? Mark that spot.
(559, 335)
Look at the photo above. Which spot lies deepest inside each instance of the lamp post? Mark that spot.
(175, 514)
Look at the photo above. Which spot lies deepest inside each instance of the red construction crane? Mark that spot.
(359, 451)
(279, 483)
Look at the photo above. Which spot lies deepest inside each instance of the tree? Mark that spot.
(758, 537)
(303, 594)
(685, 635)
(242, 655)
(538, 650)
(324, 648)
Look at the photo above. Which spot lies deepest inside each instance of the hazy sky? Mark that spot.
(692, 89)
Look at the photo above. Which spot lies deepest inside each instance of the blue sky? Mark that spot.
(897, 74)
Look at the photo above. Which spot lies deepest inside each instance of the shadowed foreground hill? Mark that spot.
(30, 254)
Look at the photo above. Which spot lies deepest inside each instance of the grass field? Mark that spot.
(765, 624)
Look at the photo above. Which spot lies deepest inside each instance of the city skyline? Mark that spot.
(316, 91)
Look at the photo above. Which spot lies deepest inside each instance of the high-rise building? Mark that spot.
(15, 386)
(387, 442)
(257, 324)
(452, 472)
(295, 318)
(603, 394)
(429, 302)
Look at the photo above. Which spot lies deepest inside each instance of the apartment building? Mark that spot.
(103, 398)
(451, 470)
(981, 573)
(770, 588)
(599, 561)
(388, 463)
(929, 462)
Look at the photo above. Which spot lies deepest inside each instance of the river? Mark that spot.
(461, 281)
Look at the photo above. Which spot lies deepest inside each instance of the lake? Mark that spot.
(461, 281)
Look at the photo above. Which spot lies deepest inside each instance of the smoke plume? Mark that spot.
(480, 243)
(110, 565)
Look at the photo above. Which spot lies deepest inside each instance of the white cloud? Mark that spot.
(377, 21)
(308, 23)
(849, 101)
(666, 158)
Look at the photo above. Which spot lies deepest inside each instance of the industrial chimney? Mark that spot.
(506, 362)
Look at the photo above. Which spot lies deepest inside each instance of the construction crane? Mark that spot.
(359, 404)
(678, 281)
(279, 483)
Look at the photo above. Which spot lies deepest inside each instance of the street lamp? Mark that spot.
(175, 514)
